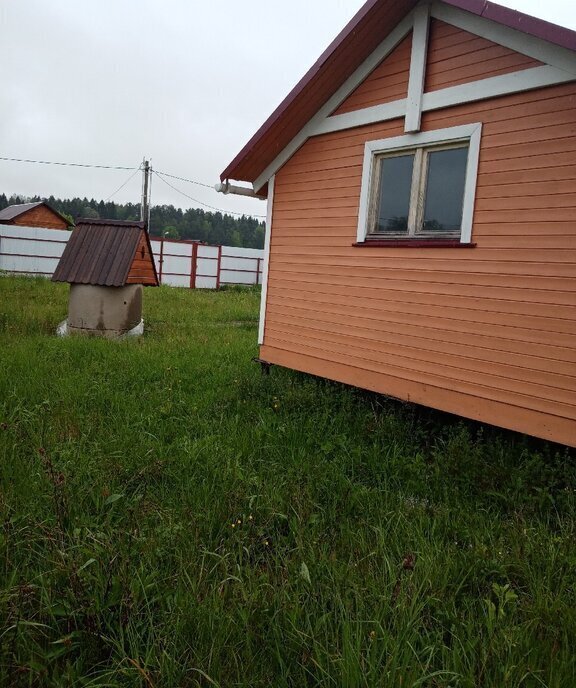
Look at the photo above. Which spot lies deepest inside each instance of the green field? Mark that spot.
(172, 518)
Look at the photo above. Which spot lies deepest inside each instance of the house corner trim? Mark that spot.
(264, 294)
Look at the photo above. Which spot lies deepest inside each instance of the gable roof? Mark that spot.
(13, 211)
(375, 20)
(101, 252)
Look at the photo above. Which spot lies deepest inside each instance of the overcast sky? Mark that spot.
(183, 82)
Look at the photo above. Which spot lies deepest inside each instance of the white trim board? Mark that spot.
(418, 61)
(365, 69)
(357, 118)
(468, 132)
(559, 67)
(264, 294)
(492, 87)
(537, 48)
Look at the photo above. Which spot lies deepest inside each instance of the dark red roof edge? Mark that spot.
(113, 223)
(301, 85)
(539, 28)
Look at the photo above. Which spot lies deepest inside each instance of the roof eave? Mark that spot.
(352, 25)
(236, 170)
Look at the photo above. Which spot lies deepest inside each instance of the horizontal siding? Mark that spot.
(41, 217)
(497, 154)
(473, 406)
(388, 82)
(458, 57)
(493, 325)
(376, 260)
(424, 273)
(448, 255)
(541, 317)
(142, 268)
(501, 381)
(553, 291)
(451, 321)
(488, 347)
(343, 226)
(521, 200)
(417, 370)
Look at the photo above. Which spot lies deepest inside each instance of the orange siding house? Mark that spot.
(421, 236)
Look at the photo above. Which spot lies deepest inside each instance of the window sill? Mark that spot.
(413, 243)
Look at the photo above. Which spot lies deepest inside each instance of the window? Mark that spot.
(420, 186)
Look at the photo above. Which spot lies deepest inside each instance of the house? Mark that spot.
(39, 214)
(421, 234)
(106, 262)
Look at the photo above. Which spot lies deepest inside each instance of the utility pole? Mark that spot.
(144, 206)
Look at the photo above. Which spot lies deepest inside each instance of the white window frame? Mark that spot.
(469, 134)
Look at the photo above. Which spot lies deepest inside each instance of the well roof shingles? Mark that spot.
(99, 252)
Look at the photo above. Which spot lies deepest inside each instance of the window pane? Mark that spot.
(394, 201)
(445, 190)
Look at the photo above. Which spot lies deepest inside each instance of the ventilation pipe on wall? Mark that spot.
(227, 188)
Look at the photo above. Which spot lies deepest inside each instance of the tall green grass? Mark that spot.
(172, 518)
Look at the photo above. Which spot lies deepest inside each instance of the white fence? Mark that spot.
(36, 251)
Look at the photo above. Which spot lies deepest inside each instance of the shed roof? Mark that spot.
(13, 211)
(356, 42)
(101, 252)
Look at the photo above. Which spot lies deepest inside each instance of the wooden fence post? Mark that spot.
(161, 260)
(194, 265)
(218, 266)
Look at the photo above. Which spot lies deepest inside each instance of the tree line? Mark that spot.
(165, 220)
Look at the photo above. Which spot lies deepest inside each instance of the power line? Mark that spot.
(160, 175)
(105, 167)
(124, 184)
(219, 210)
(183, 179)
(68, 164)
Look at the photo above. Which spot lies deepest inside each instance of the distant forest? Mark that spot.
(165, 220)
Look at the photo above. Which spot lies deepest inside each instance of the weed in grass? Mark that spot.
(170, 517)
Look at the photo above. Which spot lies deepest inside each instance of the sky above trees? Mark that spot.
(183, 83)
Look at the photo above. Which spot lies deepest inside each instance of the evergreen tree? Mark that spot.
(192, 224)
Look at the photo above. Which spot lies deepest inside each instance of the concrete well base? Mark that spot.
(104, 311)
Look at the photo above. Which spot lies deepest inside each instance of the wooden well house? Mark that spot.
(421, 234)
(106, 263)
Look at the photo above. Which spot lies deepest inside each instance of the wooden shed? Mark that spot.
(106, 262)
(39, 214)
(421, 234)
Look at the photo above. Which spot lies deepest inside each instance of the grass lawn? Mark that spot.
(172, 518)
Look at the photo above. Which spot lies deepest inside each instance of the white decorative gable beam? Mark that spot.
(559, 67)
(365, 69)
(495, 86)
(417, 68)
(357, 118)
(536, 48)
(483, 89)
